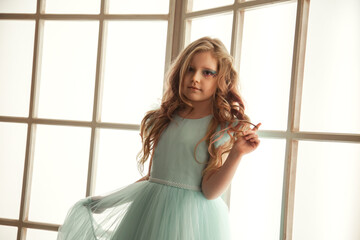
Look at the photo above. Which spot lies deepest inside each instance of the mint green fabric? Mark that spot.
(170, 206)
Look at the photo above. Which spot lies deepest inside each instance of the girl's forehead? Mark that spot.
(204, 58)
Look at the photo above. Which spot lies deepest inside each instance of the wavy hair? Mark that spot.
(227, 105)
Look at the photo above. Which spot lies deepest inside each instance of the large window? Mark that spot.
(73, 82)
(76, 78)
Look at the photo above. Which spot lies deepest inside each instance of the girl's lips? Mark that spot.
(194, 88)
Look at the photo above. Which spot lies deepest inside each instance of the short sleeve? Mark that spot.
(224, 137)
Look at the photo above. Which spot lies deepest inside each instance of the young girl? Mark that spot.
(195, 142)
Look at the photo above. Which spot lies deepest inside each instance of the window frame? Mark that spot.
(178, 35)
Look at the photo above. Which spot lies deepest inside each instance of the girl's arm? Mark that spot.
(97, 204)
(214, 184)
(146, 177)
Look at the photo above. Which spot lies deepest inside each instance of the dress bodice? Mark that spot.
(174, 162)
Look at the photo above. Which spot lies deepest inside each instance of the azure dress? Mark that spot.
(169, 206)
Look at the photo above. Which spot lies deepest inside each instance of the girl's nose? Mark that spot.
(197, 76)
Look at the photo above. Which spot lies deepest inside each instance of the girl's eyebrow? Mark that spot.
(206, 68)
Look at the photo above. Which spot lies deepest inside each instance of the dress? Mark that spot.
(169, 206)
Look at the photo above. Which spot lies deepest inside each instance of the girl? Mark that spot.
(195, 142)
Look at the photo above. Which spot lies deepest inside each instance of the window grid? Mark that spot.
(178, 20)
(288, 197)
(23, 223)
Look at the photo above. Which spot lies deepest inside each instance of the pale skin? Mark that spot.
(199, 85)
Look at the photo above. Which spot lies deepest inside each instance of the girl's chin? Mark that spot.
(197, 99)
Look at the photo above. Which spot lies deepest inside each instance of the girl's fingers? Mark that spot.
(250, 136)
(254, 140)
(256, 127)
(251, 133)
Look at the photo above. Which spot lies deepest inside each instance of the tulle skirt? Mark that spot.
(147, 211)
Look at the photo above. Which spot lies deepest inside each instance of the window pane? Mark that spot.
(60, 171)
(256, 193)
(204, 4)
(331, 90)
(34, 234)
(246, 0)
(68, 68)
(117, 164)
(327, 192)
(12, 155)
(8, 233)
(216, 26)
(16, 48)
(139, 7)
(134, 69)
(265, 68)
(17, 6)
(71, 6)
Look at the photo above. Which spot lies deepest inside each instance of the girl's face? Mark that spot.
(200, 83)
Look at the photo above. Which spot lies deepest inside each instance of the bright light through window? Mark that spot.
(198, 5)
(35, 234)
(61, 158)
(327, 191)
(265, 65)
(139, 7)
(331, 99)
(216, 26)
(117, 164)
(18, 6)
(71, 6)
(68, 67)
(8, 233)
(12, 154)
(134, 70)
(16, 56)
(256, 193)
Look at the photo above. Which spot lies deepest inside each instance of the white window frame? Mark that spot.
(178, 35)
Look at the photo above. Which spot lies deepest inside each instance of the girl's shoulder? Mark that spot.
(222, 133)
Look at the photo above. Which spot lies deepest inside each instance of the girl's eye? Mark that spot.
(208, 73)
(190, 69)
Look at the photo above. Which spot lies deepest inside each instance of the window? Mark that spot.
(68, 68)
(67, 71)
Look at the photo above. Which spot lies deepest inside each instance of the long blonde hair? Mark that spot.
(228, 107)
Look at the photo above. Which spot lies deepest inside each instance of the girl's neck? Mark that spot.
(198, 111)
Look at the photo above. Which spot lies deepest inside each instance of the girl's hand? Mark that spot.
(94, 206)
(248, 142)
